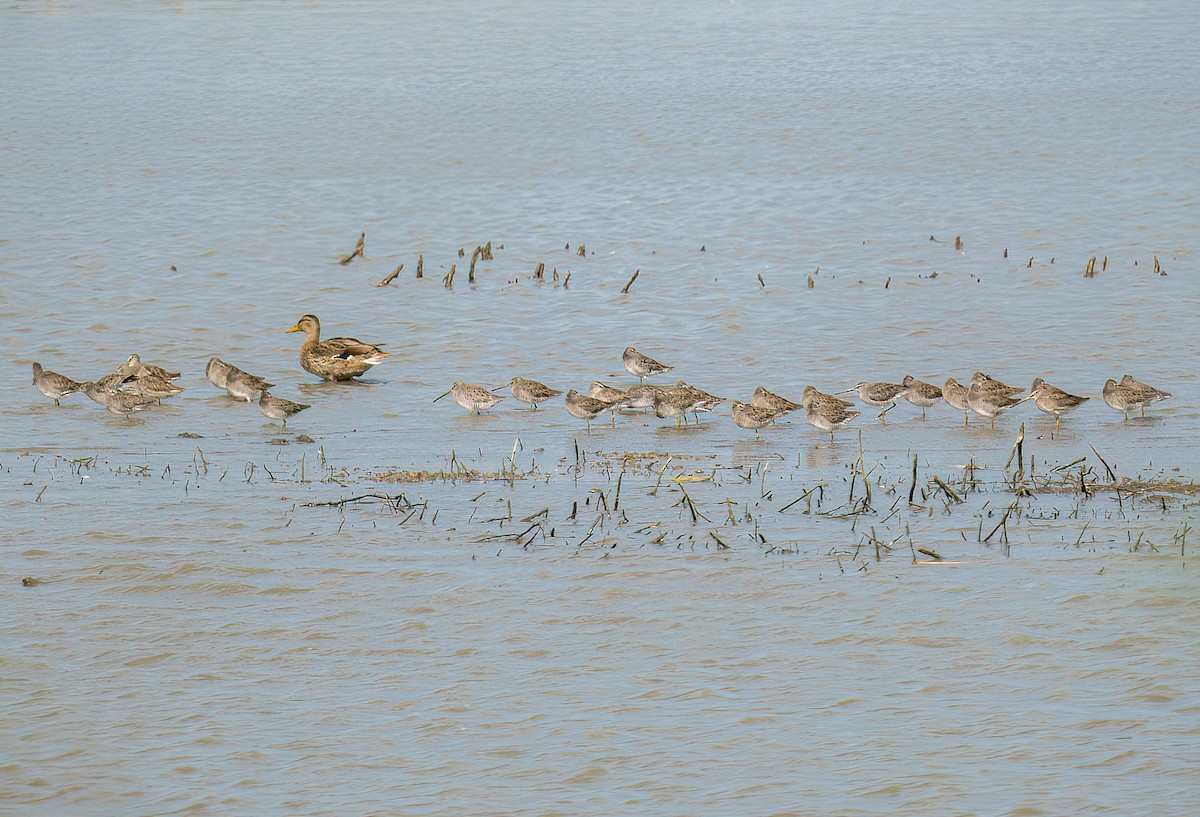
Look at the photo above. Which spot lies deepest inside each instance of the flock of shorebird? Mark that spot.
(134, 385)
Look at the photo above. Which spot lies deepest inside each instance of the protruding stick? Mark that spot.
(358, 249)
(390, 276)
(625, 289)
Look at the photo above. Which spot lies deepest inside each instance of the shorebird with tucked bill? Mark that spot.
(642, 366)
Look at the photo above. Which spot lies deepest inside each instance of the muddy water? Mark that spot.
(639, 620)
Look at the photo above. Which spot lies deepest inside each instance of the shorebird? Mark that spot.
(133, 367)
(277, 408)
(1131, 394)
(97, 389)
(992, 384)
(473, 398)
(879, 394)
(920, 393)
(245, 386)
(151, 385)
(608, 394)
(1053, 400)
(52, 384)
(675, 402)
(530, 391)
(640, 365)
(118, 402)
(810, 398)
(587, 408)
(700, 400)
(753, 417)
(335, 359)
(217, 371)
(955, 395)
(641, 395)
(766, 400)
(989, 401)
(829, 416)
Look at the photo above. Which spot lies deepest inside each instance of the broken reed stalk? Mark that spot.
(761, 282)
(390, 277)
(478, 251)
(1003, 523)
(448, 281)
(1090, 272)
(485, 252)
(540, 273)
(625, 289)
(1111, 476)
(958, 245)
(420, 266)
(581, 251)
(912, 489)
(358, 250)
(1018, 451)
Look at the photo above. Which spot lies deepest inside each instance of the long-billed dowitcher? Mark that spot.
(52, 384)
(97, 389)
(753, 417)
(473, 398)
(335, 359)
(614, 397)
(955, 394)
(675, 402)
(245, 386)
(118, 402)
(810, 398)
(642, 366)
(987, 383)
(277, 408)
(699, 400)
(1131, 394)
(1155, 394)
(583, 407)
(641, 395)
(920, 393)
(133, 367)
(773, 402)
(152, 385)
(879, 394)
(530, 391)
(829, 416)
(217, 371)
(988, 401)
(607, 393)
(1053, 400)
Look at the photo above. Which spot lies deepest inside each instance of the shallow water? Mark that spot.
(181, 180)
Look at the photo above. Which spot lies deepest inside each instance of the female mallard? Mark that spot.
(335, 358)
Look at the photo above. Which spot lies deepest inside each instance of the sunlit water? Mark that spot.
(552, 631)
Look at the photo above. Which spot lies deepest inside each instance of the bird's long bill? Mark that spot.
(498, 388)
(439, 397)
(849, 391)
(295, 328)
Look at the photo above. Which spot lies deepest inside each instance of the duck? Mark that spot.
(334, 359)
